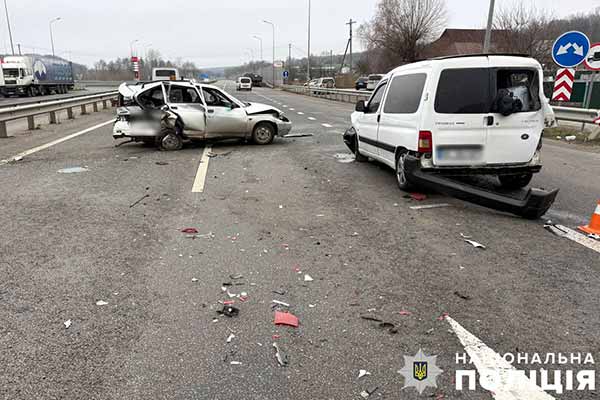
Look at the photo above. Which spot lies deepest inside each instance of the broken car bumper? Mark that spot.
(535, 203)
(124, 129)
(283, 127)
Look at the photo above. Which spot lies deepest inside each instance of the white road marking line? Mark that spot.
(327, 125)
(300, 113)
(202, 171)
(57, 141)
(491, 364)
(292, 109)
(312, 118)
(577, 237)
(284, 106)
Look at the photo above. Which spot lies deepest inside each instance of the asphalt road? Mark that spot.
(270, 214)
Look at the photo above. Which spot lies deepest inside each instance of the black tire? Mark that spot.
(149, 141)
(401, 179)
(357, 156)
(170, 141)
(263, 133)
(30, 92)
(515, 181)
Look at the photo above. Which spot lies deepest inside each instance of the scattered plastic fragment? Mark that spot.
(281, 303)
(139, 200)
(308, 278)
(344, 157)
(235, 363)
(462, 235)
(462, 296)
(229, 302)
(367, 393)
(67, 323)
(570, 138)
(389, 326)
(594, 236)
(311, 306)
(418, 196)
(280, 292)
(405, 312)
(229, 311)
(190, 230)
(281, 358)
(161, 163)
(298, 135)
(72, 170)
(284, 318)
(369, 318)
(475, 244)
(230, 338)
(236, 277)
(429, 331)
(363, 372)
(101, 303)
(430, 206)
(194, 280)
(443, 316)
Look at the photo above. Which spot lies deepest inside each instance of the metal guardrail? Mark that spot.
(45, 100)
(52, 107)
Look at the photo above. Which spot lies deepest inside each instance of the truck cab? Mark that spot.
(17, 75)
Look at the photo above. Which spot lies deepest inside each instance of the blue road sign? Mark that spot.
(286, 74)
(203, 76)
(570, 49)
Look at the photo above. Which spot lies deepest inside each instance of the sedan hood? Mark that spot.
(259, 108)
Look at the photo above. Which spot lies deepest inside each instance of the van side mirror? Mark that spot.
(360, 106)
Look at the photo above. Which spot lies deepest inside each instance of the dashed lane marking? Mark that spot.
(292, 109)
(510, 384)
(57, 141)
(202, 171)
(312, 118)
(300, 113)
(327, 125)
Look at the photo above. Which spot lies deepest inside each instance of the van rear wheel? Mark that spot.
(515, 181)
(403, 182)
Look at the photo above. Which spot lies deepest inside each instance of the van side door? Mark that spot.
(369, 121)
(400, 120)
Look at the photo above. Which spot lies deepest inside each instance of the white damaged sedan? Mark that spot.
(167, 113)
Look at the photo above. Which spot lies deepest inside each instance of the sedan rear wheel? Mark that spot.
(263, 133)
(170, 141)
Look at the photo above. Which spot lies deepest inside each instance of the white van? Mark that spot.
(243, 83)
(165, 74)
(459, 115)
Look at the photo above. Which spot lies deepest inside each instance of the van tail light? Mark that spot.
(425, 142)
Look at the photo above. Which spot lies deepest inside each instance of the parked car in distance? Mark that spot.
(312, 82)
(166, 113)
(244, 83)
(373, 80)
(328, 83)
(479, 115)
(165, 74)
(256, 78)
(361, 83)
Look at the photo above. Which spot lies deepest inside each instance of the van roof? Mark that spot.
(470, 60)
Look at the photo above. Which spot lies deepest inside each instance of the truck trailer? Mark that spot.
(35, 75)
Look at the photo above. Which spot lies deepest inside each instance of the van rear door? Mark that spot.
(514, 137)
(461, 117)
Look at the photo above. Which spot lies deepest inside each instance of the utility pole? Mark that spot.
(351, 22)
(261, 47)
(52, 37)
(331, 61)
(308, 68)
(19, 46)
(273, 65)
(12, 47)
(488, 32)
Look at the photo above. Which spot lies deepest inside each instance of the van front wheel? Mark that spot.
(403, 182)
(515, 181)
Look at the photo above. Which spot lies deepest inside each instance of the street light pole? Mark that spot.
(51, 36)
(488, 31)
(261, 47)
(12, 47)
(131, 45)
(308, 59)
(273, 65)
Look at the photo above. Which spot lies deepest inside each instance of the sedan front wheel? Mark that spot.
(263, 133)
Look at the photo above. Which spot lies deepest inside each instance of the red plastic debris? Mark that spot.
(418, 196)
(443, 316)
(190, 230)
(243, 299)
(229, 302)
(283, 318)
(276, 337)
(404, 312)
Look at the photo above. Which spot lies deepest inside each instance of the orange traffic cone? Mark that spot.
(594, 226)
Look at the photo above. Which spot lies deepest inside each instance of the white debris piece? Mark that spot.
(67, 323)
(101, 303)
(308, 278)
(230, 338)
(72, 170)
(362, 373)
(235, 363)
(281, 303)
(570, 138)
(430, 206)
(194, 279)
(462, 235)
(475, 244)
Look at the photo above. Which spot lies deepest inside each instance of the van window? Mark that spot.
(523, 84)
(404, 95)
(463, 91)
(375, 100)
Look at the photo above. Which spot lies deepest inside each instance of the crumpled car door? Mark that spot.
(186, 102)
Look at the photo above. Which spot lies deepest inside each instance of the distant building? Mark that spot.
(462, 41)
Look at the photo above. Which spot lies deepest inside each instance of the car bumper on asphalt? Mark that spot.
(533, 166)
(532, 206)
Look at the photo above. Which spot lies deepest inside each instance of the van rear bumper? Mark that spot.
(532, 167)
(532, 206)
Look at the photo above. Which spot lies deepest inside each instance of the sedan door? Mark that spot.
(186, 102)
(369, 122)
(224, 118)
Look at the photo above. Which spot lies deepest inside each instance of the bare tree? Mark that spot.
(401, 28)
(525, 30)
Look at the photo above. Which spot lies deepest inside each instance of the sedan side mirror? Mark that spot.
(360, 106)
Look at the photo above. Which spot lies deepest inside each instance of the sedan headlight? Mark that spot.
(283, 118)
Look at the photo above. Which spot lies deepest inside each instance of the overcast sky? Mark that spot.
(211, 33)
